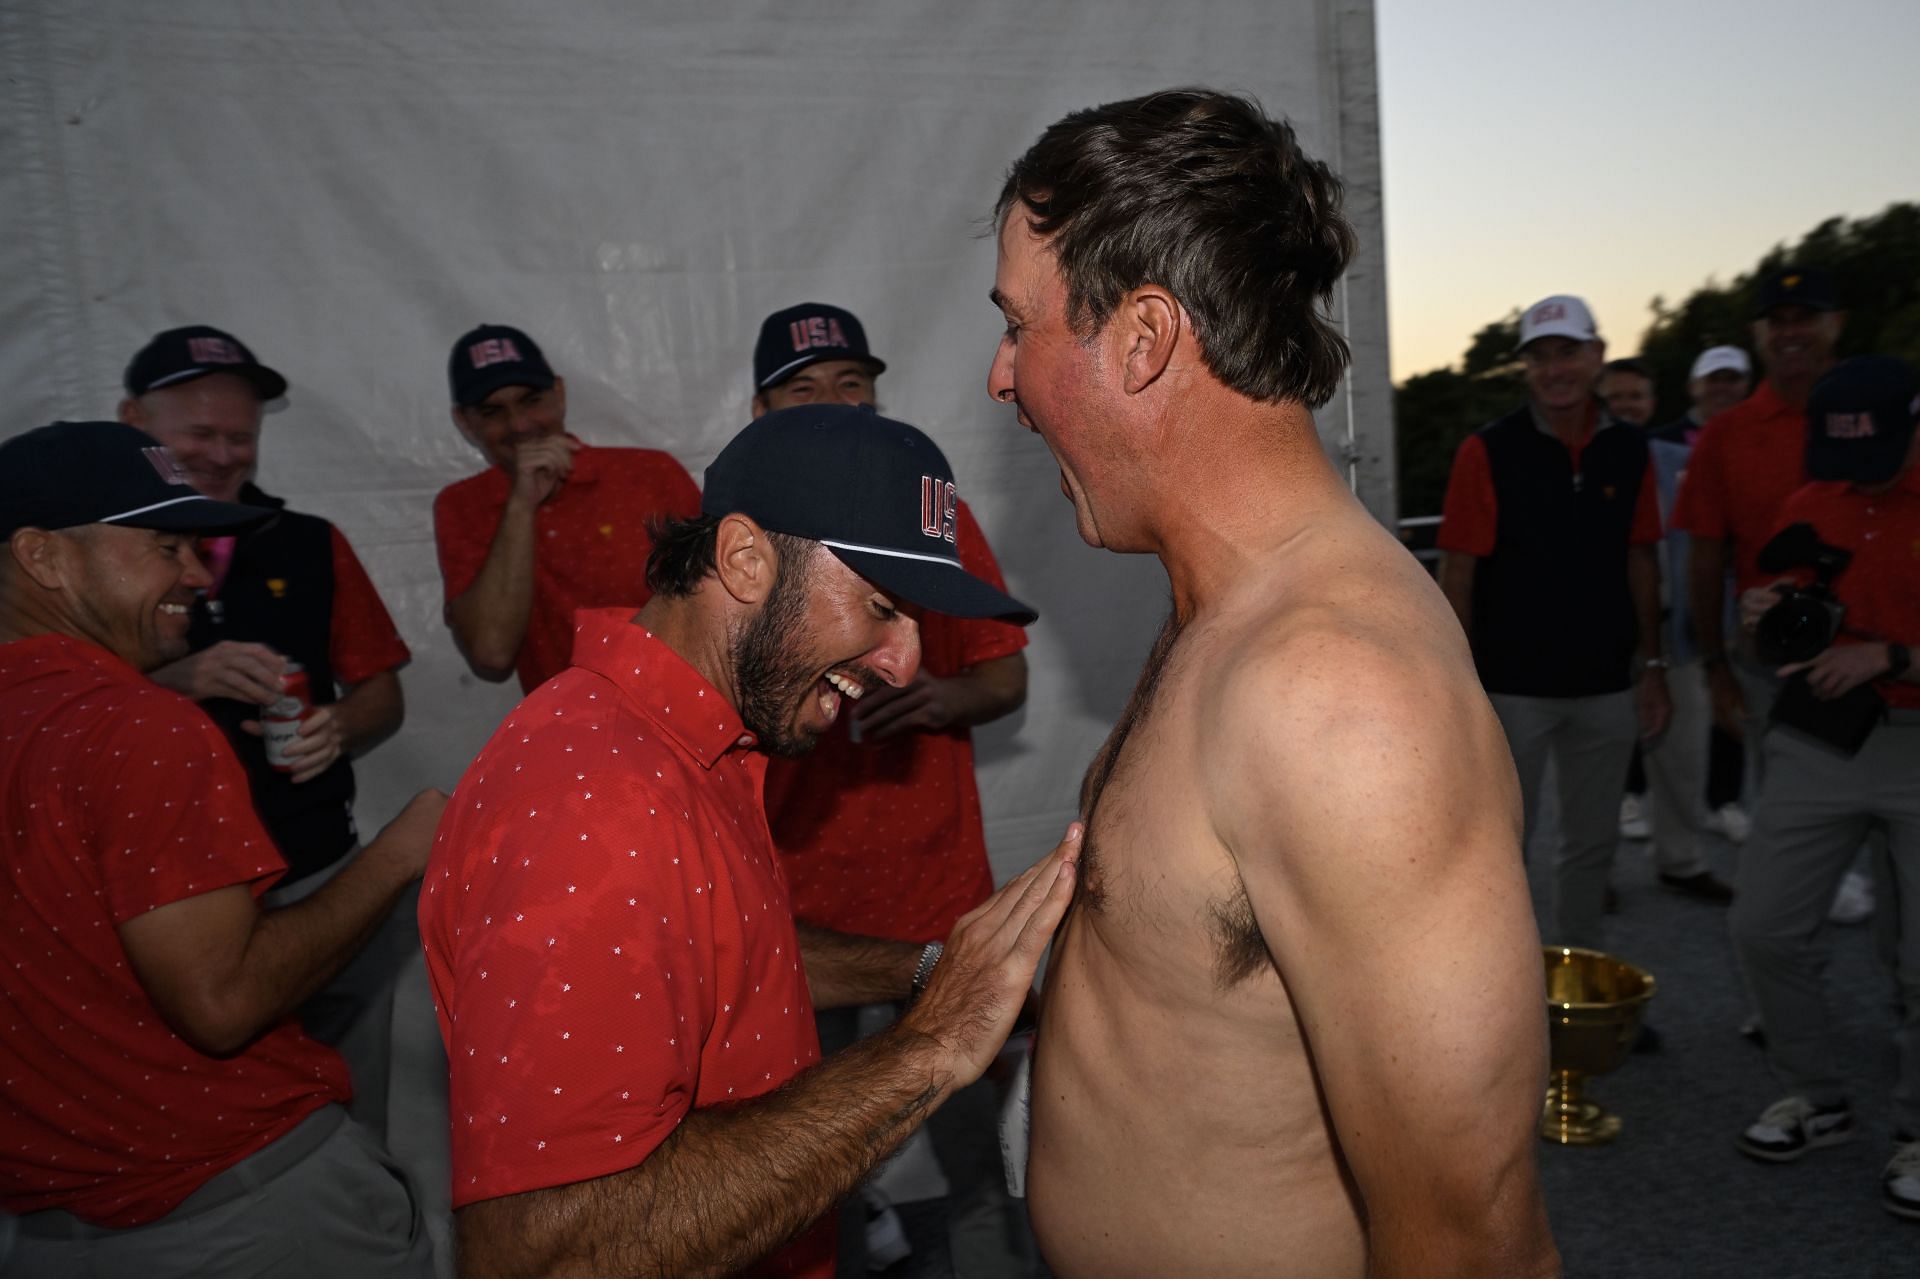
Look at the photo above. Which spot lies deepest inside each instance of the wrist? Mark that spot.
(924, 964)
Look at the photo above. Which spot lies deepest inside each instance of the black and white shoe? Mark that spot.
(1792, 1126)
(1900, 1183)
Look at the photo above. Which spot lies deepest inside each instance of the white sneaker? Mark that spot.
(1854, 900)
(1900, 1183)
(1792, 1126)
(1633, 818)
(1732, 821)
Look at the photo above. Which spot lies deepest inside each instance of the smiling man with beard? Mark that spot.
(628, 1010)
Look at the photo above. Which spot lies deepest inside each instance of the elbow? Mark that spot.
(491, 661)
(214, 1026)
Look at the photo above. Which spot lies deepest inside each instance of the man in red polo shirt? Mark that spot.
(878, 828)
(161, 1113)
(1826, 787)
(553, 525)
(1745, 463)
(636, 1082)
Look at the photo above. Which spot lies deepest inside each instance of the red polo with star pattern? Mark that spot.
(119, 797)
(884, 839)
(608, 934)
(1745, 464)
(590, 541)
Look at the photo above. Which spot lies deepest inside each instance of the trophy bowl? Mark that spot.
(1594, 1005)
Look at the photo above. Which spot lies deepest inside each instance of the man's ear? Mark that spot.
(759, 405)
(131, 413)
(560, 394)
(1151, 321)
(467, 433)
(744, 559)
(39, 555)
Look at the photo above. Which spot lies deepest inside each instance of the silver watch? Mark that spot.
(929, 960)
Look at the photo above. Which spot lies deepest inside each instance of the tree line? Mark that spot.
(1875, 264)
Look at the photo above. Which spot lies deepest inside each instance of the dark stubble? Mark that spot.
(772, 672)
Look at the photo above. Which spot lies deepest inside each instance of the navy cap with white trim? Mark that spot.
(73, 473)
(182, 355)
(793, 338)
(877, 493)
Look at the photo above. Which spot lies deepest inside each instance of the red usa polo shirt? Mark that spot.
(591, 541)
(1745, 464)
(1881, 586)
(608, 935)
(121, 796)
(362, 640)
(884, 838)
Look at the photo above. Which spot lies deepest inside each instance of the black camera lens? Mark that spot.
(1796, 629)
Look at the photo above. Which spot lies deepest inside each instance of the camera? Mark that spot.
(1807, 618)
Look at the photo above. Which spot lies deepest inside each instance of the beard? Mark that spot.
(772, 671)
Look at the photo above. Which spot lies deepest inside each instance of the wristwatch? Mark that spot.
(929, 960)
(1656, 664)
(1899, 658)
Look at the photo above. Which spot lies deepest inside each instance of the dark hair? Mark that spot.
(1632, 364)
(1201, 193)
(682, 553)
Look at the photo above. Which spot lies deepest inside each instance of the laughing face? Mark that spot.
(824, 636)
(130, 590)
(212, 427)
(1561, 372)
(1797, 342)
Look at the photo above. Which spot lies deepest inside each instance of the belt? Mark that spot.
(225, 1186)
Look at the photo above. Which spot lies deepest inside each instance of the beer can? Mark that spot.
(280, 718)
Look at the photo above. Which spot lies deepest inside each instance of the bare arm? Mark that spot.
(1379, 845)
(1708, 585)
(844, 969)
(733, 1183)
(370, 712)
(1456, 583)
(489, 618)
(978, 695)
(222, 971)
(1652, 701)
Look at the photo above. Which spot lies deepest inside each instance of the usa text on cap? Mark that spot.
(792, 339)
(181, 355)
(1560, 316)
(1861, 418)
(492, 356)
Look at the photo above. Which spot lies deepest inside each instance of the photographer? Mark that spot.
(1844, 752)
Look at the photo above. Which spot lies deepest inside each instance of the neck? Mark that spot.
(1241, 481)
(1570, 423)
(1795, 391)
(696, 628)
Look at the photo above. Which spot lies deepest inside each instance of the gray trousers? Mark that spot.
(1677, 777)
(988, 1235)
(323, 1202)
(1590, 740)
(354, 1011)
(1813, 813)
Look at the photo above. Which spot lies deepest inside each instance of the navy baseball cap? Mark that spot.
(73, 473)
(1860, 420)
(877, 493)
(807, 334)
(492, 356)
(1809, 286)
(181, 355)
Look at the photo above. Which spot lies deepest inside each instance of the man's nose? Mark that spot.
(1000, 372)
(193, 573)
(898, 656)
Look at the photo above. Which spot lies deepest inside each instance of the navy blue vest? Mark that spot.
(1552, 612)
(278, 591)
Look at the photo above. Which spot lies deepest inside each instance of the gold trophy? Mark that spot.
(1594, 1005)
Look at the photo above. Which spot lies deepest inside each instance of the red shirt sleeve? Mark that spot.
(981, 639)
(1700, 507)
(459, 539)
(1469, 519)
(362, 640)
(1646, 511)
(177, 820)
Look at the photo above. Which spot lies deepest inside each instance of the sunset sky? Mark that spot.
(1624, 150)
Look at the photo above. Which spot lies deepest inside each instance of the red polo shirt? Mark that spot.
(121, 796)
(362, 640)
(1470, 517)
(608, 935)
(1881, 586)
(591, 541)
(1744, 465)
(884, 838)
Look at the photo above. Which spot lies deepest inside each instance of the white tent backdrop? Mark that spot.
(349, 185)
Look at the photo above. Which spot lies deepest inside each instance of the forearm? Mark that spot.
(1707, 574)
(843, 969)
(295, 950)
(489, 618)
(990, 690)
(370, 712)
(1643, 582)
(730, 1185)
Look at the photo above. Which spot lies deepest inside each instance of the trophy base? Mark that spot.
(1575, 1121)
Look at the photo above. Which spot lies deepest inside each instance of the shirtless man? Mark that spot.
(1293, 1023)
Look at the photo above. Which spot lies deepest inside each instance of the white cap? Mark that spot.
(1720, 359)
(1560, 316)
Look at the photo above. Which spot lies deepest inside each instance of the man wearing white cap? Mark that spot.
(1550, 532)
(1720, 378)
